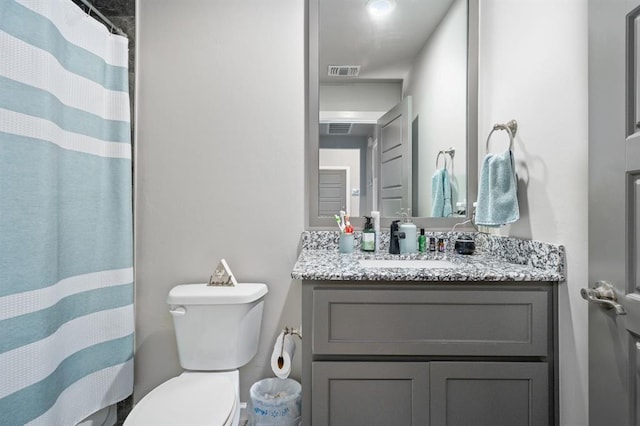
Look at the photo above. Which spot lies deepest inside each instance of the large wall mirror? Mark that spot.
(392, 110)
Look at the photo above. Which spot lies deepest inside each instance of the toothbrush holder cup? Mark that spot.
(345, 243)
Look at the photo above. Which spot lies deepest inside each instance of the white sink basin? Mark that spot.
(407, 263)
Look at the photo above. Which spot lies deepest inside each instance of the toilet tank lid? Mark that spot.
(203, 294)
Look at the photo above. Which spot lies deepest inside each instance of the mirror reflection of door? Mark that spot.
(332, 194)
(394, 142)
(348, 145)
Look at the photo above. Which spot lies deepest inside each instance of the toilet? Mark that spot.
(217, 331)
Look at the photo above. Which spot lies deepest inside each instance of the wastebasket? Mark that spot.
(276, 402)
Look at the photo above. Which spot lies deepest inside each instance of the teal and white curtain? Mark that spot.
(66, 269)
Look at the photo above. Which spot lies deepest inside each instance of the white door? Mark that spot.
(394, 145)
(614, 213)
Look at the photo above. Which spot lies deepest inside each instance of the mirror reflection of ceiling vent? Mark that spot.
(339, 128)
(343, 70)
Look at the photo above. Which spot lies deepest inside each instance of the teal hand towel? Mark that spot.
(497, 192)
(441, 194)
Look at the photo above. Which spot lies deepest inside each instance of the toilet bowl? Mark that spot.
(217, 331)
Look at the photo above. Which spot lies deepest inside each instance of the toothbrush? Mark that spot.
(348, 228)
(340, 225)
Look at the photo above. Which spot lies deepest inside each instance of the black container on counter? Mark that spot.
(464, 245)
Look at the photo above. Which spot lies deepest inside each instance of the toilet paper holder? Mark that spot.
(287, 330)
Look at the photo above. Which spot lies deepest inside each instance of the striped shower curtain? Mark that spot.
(66, 269)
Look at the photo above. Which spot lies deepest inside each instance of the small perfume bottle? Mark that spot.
(432, 243)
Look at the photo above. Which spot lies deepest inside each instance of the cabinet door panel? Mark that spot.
(370, 394)
(430, 322)
(489, 394)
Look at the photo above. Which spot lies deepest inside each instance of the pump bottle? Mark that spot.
(368, 236)
(408, 235)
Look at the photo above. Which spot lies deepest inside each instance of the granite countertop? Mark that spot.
(495, 259)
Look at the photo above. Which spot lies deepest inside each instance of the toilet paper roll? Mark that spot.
(282, 355)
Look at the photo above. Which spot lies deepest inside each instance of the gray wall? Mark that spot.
(533, 68)
(220, 157)
(219, 163)
(359, 96)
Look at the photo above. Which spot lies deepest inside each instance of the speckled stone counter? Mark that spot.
(496, 259)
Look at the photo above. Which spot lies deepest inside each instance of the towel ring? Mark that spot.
(451, 152)
(508, 127)
(438, 158)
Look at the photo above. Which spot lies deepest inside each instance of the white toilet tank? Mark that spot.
(217, 327)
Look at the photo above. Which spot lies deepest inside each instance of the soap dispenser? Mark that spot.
(408, 235)
(394, 238)
(368, 236)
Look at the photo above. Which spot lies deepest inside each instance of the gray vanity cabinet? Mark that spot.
(370, 393)
(429, 354)
(489, 393)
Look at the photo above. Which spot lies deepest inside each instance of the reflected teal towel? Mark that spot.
(441, 194)
(497, 192)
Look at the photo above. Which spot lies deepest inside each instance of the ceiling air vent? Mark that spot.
(339, 128)
(344, 70)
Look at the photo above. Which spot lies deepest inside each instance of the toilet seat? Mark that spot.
(202, 399)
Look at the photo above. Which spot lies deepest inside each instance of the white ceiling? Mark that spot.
(384, 48)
